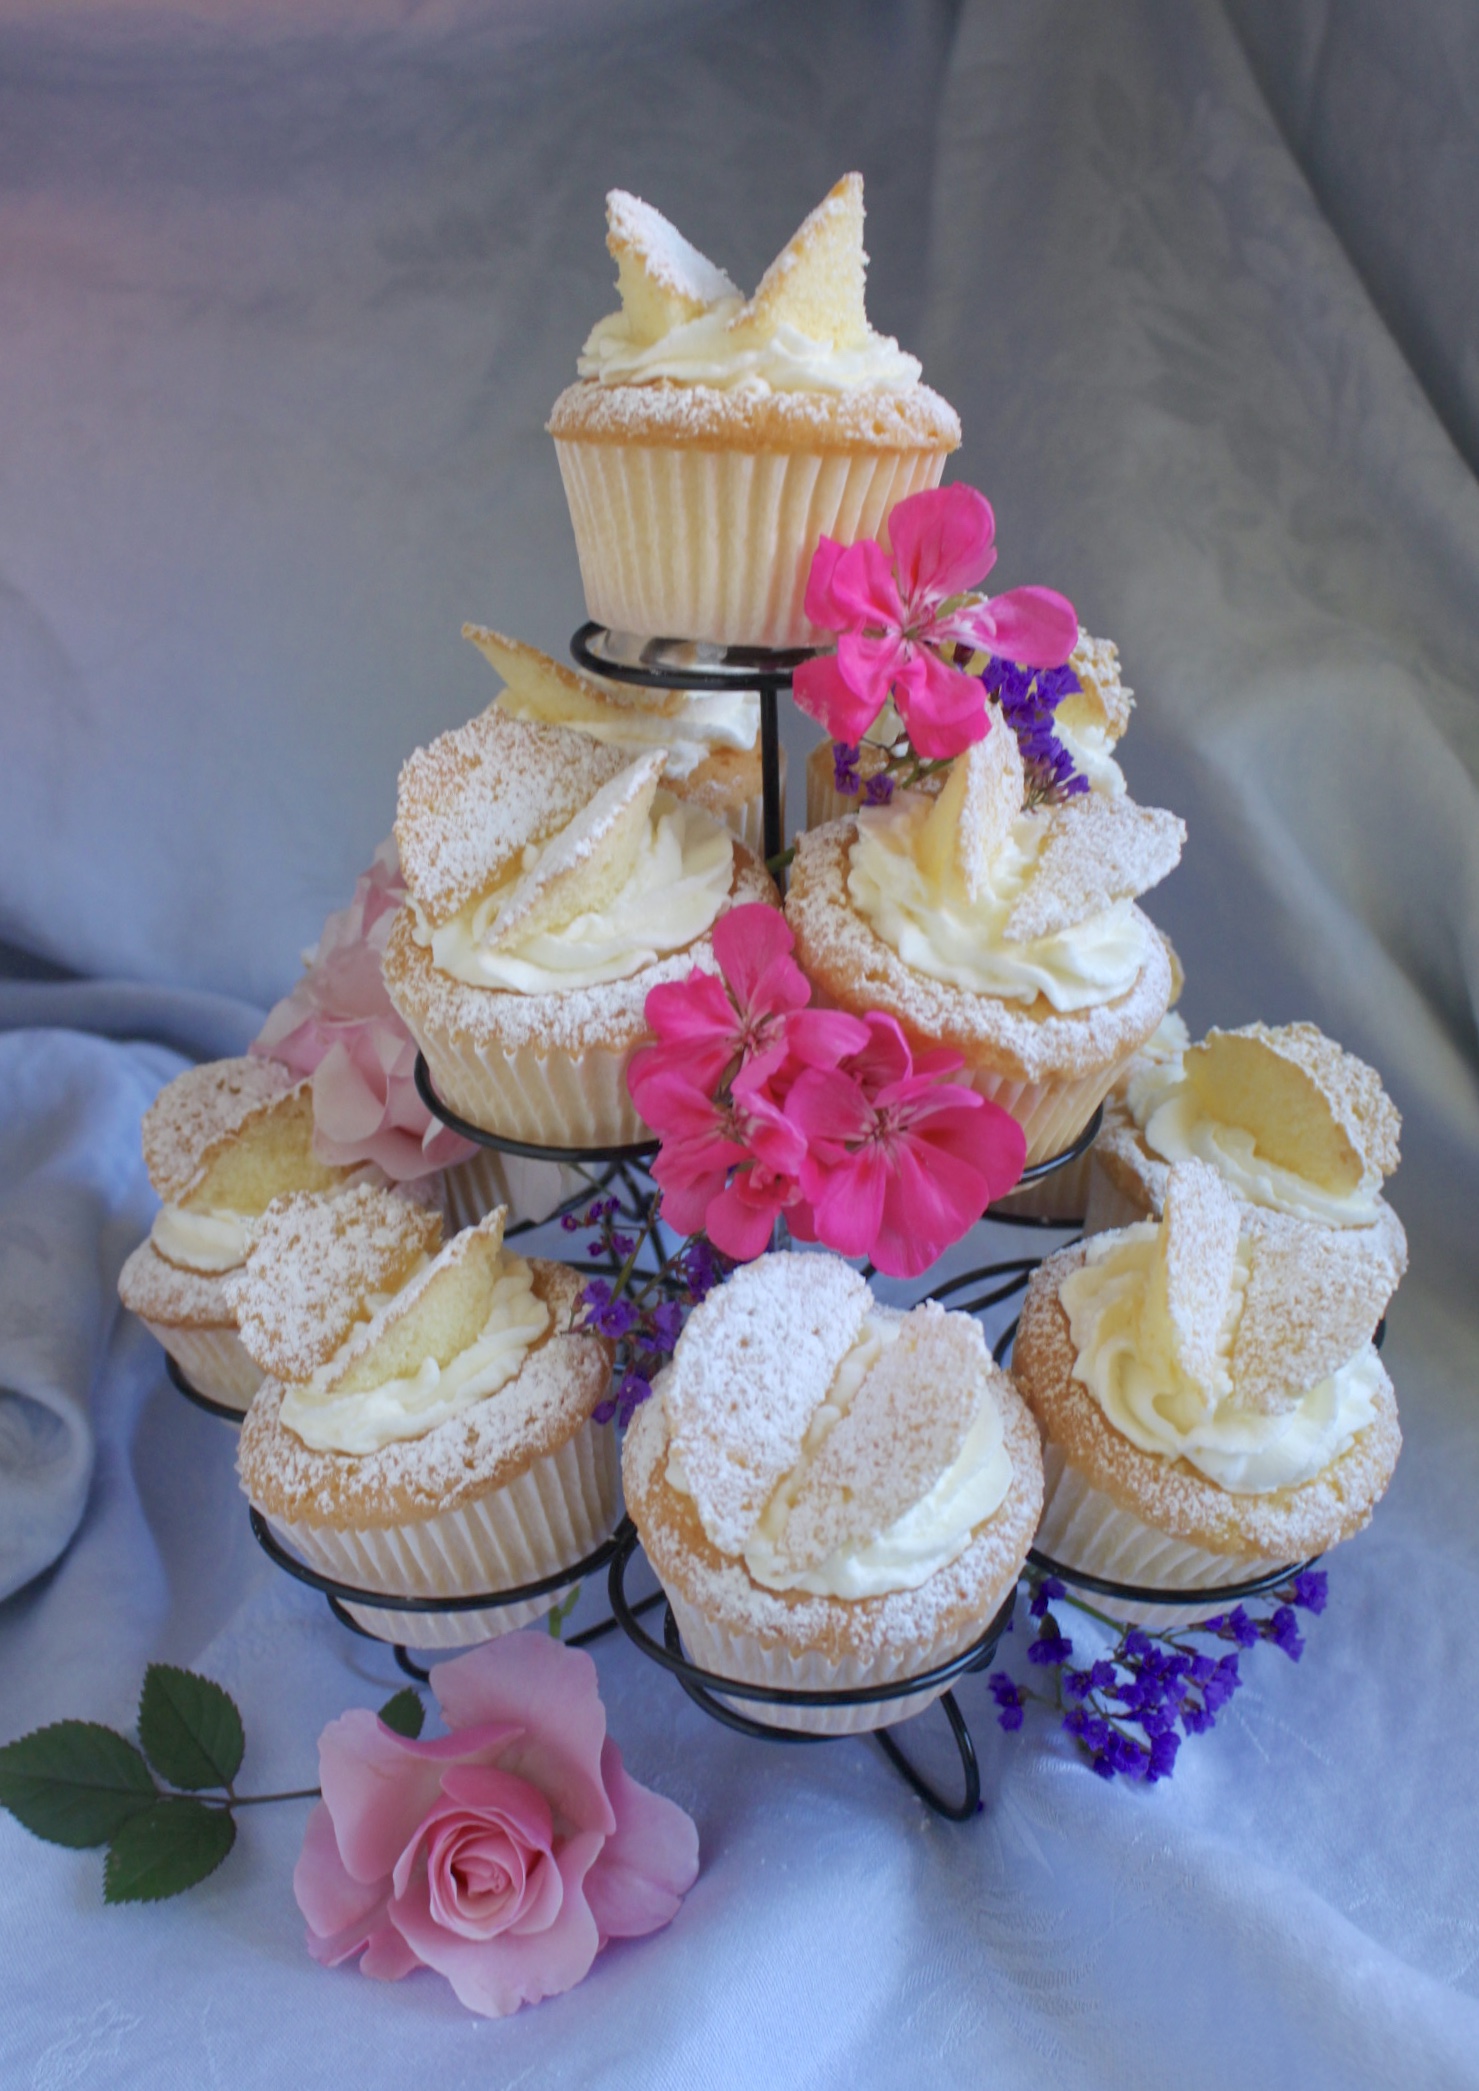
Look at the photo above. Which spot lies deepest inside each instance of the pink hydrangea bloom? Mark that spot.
(899, 1162)
(504, 1855)
(893, 618)
(339, 1027)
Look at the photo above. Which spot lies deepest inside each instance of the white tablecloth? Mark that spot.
(286, 296)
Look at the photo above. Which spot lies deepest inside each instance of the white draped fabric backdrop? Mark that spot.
(286, 294)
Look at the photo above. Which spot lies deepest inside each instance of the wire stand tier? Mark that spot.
(712, 1692)
(686, 664)
(526, 1150)
(1215, 1595)
(183, 1385)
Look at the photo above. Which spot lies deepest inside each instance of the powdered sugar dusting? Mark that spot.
(634, 228)
(1315, 1295)
(1098, 850)
(199, 1109)
(1200, 1246)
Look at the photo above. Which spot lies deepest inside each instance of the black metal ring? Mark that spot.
(383, 1601)
(1143, 1594)
(1049, 1166)
(979, 1652)
(527, 1150)
(742, 668)
(223, 1409)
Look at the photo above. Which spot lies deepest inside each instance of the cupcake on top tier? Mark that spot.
(1089, 721)
(1290, 1121)
(553, 884)
(426, 1427)
(711, 738)
(1007, 935)
(711, 439)
(833, 1494)
(1212, 1402)
(221, 1141)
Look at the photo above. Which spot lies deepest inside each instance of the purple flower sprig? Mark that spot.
(641, 1312)
(1124, 1710)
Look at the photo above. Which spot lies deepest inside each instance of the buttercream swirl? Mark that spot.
(703, 351)
(938, 930)
(1171, 1123)
(210, 1242)
(926, 1538)
(1091, 750)
(1129, 1361)
(671, 896)
(699, 724)
(356, 1424)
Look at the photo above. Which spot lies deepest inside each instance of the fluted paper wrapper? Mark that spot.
(751, 1661)
(682, 543)
(1051, 1114)
(554, 1100)
(553, 1514)
(213, 1361)
(1083, 1528)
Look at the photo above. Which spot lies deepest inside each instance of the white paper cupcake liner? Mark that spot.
(1051, 1114)
(563, 1100)
(213, 1361)
(552, 1515)
(683, 543)
(751, 1661)
(1083, 1528)
(530, 1190)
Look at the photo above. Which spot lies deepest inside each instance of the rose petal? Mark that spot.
(647, 1864)
(495, 1976)
(378, 1786)
(552, 1693)
(345, 1916)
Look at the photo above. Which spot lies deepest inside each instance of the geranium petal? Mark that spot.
(872, 667)
(820, 605)
(748, 942)
(822, 1037)
(1036, 627)
(828, 1104)
(740, 1227)
(932, 1198)
(648, 1863)
(862, 589)
(943, 708)
(942, 542)
(824, 694)
(848, 1208)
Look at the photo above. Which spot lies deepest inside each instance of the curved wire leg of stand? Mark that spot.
(953, 1811)
(608, 1626)
(412, 1669)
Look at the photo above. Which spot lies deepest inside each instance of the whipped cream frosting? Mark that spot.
(672, 895)
(701, 723)
(1129, 1360)
(327, 1421)
(938, 930)
(1091, 749)
(209, 1242)
(1170, 1122)
(703, 351)
(928, 1536)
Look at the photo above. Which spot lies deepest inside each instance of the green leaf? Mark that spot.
(165, 1850)
(75, 1782)
(404, 1713)
(190, 1728)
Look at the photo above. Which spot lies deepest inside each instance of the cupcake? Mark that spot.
(834, 1495)
(221, 1141)
(426, 1426)
(339, 1029)
(1007, 935)
(711, 440)
(553, 884)
(1088, 721)
(1211, 1402)
(1289, 1120)
(711, 738)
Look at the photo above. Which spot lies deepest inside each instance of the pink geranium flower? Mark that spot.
(339, 1027)
(893, 619)
(706, 1023)
(899, 1162)
(505, 1855)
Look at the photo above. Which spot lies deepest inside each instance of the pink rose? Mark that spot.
(339, 1026)
(504, 1855)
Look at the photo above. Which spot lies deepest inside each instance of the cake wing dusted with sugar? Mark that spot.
(439, 1314)
(469, 805)
(973, 815)
(816, 282)
(1314, 1298)
(893, 1444)
(1101, 699)
(588, 861)
(314, 1265)
(1310, 1107)
(755, 1363)
(195, 1114)
(1194, 1273)
(540, 687)
(1098, 850)
(664, 281)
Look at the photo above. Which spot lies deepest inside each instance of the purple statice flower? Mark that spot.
(1283, 1631)
(629, 1396)
(701, 1268)
(1029, 700)
(1241, 1628)
(1311, 1590)
(665, 1325)
(845, 775)
(1047, 1592)
(879, 789)
(1009, 1699)
(1050, 1647)
(1163, 1748)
